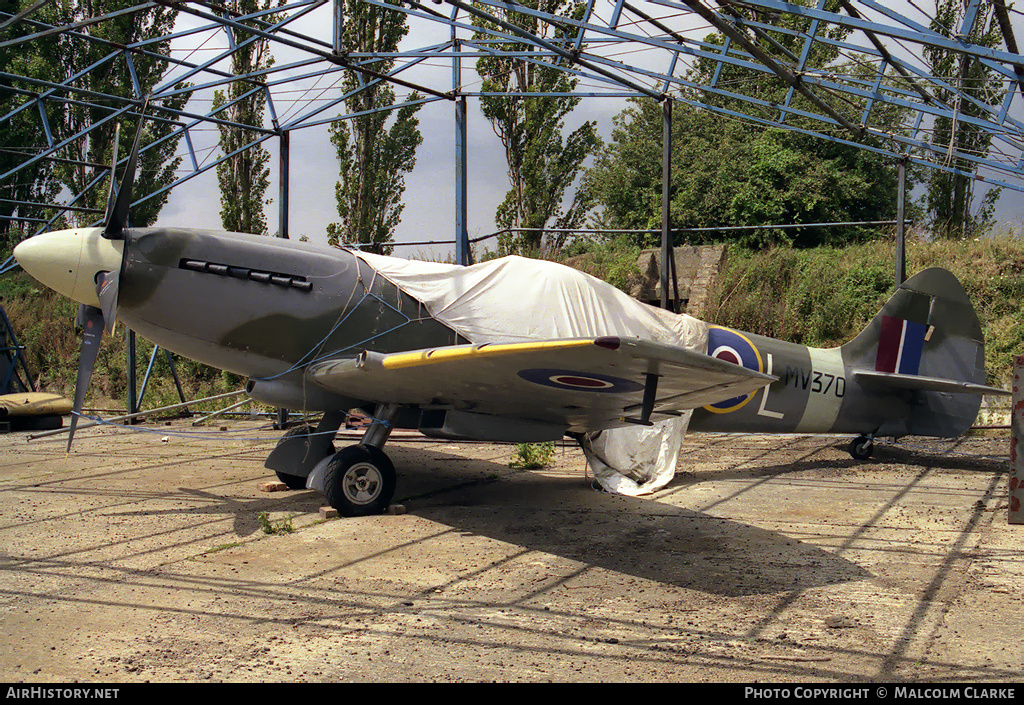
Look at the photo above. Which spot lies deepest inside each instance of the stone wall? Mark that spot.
(696, 268)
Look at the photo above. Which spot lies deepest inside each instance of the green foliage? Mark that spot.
(281, 526)
(728, 171)
(541, 165)
(377, 148)
(57, 57)
(824, 297)
(531, 456)
(23, 135)
(955, 208)
(613, 260)
(245, 176)
(813, 297)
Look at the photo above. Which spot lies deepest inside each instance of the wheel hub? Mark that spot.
(362, 483)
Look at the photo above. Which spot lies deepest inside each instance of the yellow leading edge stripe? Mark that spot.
(428, 357)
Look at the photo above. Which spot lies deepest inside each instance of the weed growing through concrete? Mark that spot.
(281, 526)
(532, 455)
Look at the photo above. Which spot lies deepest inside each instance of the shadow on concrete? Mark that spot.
(566, 517)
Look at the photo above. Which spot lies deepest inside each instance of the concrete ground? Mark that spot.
(140, 557)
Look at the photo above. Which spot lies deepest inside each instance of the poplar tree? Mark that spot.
(157, 164)
(953, 206)
(376, 147)
(541, 164)
(245, 175)
(22, 136)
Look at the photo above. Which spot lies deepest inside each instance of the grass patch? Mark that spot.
(281, 526)
(530, 456)
(224, 547)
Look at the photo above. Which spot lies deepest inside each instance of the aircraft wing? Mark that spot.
(585, 384)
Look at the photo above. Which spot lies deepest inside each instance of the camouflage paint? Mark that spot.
(261, 329)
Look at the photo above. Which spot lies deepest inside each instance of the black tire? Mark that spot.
(359, 481)
(861, 448)
(296, 482)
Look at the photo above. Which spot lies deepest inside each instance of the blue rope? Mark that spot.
(334, 353)
(218, 435)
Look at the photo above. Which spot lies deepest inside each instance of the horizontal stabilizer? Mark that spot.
(925, 384)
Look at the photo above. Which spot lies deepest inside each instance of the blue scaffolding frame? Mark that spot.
(631, 48)
(612, 48)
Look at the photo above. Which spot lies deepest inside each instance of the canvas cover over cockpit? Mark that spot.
(517, 299)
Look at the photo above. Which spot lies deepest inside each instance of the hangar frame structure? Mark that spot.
(614, 48)
(877, 62)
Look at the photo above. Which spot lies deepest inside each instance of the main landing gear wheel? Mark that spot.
(296, 482)
(861, 447)
(359, 481)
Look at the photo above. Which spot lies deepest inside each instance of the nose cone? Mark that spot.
(68, 261)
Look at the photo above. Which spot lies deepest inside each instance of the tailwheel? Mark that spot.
(359, 481)
(861, 447)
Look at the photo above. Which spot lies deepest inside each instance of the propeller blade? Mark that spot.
(91, 320)
(113, 174)
(117, 219)
(106, 288)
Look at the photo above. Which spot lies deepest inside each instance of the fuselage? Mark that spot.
(817, 391)
(267, 308)
(808, 397)
(261, 306)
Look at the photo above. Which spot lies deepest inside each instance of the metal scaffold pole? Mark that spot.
(667, 256)
(462, 253)
(282, 219)
(901, 207)
(1016, 480)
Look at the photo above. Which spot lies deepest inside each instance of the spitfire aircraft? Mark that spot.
(328, 330)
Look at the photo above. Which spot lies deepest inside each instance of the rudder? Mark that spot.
(926, 334)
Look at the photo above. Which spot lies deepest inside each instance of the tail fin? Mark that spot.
(926, 345)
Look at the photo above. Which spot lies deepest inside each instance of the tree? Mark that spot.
(70, 54)
(244, 176)
(954, 207)
(541, 166)
(22, 136)
(727, 171)
(376, 148)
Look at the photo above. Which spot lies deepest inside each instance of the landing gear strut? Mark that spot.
(861, 447)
